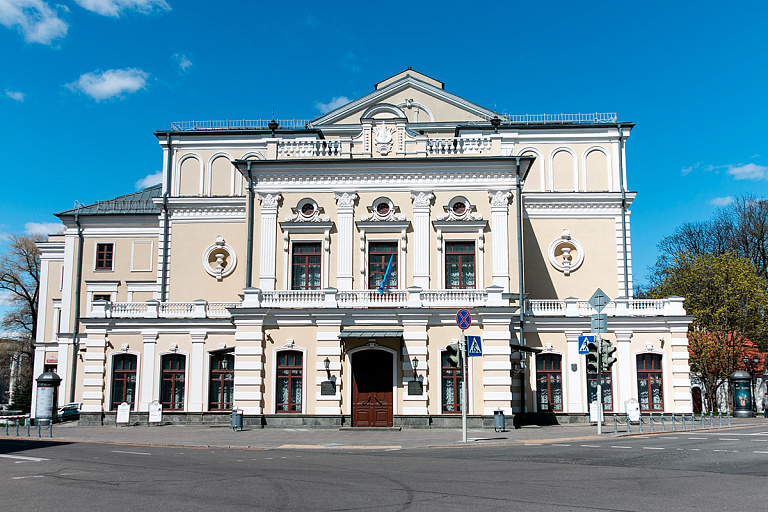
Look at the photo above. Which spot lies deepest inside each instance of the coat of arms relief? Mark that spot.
(383, 139)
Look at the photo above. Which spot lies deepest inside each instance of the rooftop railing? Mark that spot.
(238, 124)
(589, 118)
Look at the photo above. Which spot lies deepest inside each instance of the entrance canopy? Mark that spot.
(365, 334)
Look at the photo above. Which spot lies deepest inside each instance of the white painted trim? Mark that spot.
(563, 379)
(232, 172)
(109, 377)
(349, 374)
(151, 252)
(540, 158)
(552, 169)
(666, 394)
(416, 105)
(177, 173)
(288, 259)
(96, 245)
(609, 177)
(159, 375)
(273, 402)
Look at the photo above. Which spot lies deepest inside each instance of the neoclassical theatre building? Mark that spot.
(310, 273)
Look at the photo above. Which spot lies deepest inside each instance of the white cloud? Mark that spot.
(332, 105)
(748, 172)
(44, 228)
(116, 7)
(110, 83)
(35, 19)
(721, 201)
(149, 180)
(182, 61)
(14, 95)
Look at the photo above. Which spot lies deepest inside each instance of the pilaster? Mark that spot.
(415, 347)
(575, 380)
(497, 364)
(93, 383)
(500, 236)
(37, 369)
(345, 207)
(421, 232)
(148, 369)
(249, 365)
(329, 346)
(197, 367)
(622, 370)
(681, 378)
(268, 240)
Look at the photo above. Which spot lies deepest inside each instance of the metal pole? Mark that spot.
(463, 358)
(598, 341)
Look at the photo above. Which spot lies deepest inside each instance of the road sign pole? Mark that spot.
(463, 349)
(599, 384)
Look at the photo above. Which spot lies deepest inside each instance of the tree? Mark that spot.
(20, 282)
(727, 296)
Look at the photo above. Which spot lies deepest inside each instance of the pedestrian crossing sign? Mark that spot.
(583, 340)
(474, 346)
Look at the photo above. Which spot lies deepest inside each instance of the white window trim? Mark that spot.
(139, 286)
(111, 377)
(288, 259)
(133, 251)
(470, 376)
(275, 352)
(96, 252)
(100, 288)
(666, 378)
(207, 380)
(563, 379)
(159, 377)
(56, 319)
(400, 257)
(464, 231)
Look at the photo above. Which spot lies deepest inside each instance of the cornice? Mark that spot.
(580, 204)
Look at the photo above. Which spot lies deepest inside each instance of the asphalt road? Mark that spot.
(702, 471)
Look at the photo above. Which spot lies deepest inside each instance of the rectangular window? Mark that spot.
(452, 385)
(607, 392)
(549, 383)
(172, 388)
(102, 296)
(306, 265)
(222, 383)
(459, 264)
(124, 380)
(104, 253)
(649, 382)
(289, 376)
(380, 254)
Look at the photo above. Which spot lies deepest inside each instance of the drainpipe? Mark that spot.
(76, 333)
(249, 250)
(166, 221)
(627, 291)
(521, 296)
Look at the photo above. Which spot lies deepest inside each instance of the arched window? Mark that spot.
(549, 382)
(124, 380)
(452, 384)
(289, 377)
(222, 384)
(650, 382)
(607, 383)
(172, 388)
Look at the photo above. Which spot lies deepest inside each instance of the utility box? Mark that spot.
(741, 383)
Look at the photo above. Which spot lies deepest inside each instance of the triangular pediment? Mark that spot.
(410, 94)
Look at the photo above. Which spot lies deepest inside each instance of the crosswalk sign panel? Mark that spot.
(474, 346)
(583, 340)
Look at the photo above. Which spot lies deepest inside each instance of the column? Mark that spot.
(421, 231)
(497, 364)
(680, 401)
(37, 370)
(196, 376)
(268, 240)
(500, 236)
(415, 346)
(345, 207)
(148, 370)
(622, 370)
(328, 346)
(249, 365)
(93, 383)
(576, 380)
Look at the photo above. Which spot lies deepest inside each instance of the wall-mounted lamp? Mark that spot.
(415, 364)
(327, 364)
(518, 367)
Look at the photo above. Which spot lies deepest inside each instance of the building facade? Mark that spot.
(310, 273)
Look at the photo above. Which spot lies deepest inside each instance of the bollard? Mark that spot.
(662, 423)
(6, 427)
(17, 429)
(720, 419)
(39, 427)
(629, 426)
(673, 422)
(710, 419)
(615, 425)
(28, 425)
(682, 417)
(728, 413)
(640, 424)
(50, 429)
(693, 422)
(650, 420)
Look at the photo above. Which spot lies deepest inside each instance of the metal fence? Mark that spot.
(671, 422)
(19, 430)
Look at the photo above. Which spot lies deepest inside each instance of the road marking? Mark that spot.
(22, 458)
(622, 447)
(695, 450)
(533, 444)
(721, 450)
(590, 446)
(560, 444)
(727, 439)
(652, 448)
(131, 453)
(758, 451)
(23, 477)
(698, 438)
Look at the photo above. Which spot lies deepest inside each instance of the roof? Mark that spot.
(136, 203)
(356, 333)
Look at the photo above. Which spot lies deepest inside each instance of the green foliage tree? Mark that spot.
(727, 296)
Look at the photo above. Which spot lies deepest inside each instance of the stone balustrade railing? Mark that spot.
(670, 306)
(413, 297)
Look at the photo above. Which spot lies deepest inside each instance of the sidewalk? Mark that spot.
(222, 437)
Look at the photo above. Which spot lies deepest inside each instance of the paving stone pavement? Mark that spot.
(297, 438)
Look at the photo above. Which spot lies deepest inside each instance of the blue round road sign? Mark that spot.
(463, 319)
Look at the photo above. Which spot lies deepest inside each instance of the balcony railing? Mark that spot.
(413, 297)
(237, 124)
(459, 146)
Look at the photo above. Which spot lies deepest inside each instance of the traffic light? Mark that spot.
(453, 354)
(609, 355)
(593, 357)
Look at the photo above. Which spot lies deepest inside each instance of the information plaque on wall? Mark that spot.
(327, 387)
(415, 387)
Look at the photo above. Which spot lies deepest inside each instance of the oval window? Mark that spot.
(382, 208)
(459, 208)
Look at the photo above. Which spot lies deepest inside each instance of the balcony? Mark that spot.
(573, 307)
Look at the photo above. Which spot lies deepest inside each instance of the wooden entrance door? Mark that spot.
(372, 403)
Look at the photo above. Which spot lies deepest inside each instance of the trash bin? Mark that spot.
(498, 420)
(237, 419)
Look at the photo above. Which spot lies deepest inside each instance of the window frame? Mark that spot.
(211, 373)
(121, 355)
(184, 382)
(320, 253)
(592, 377)
(446, 243)
(458, 382)
(549, 373)
(660, 372)
(276, 379)
(396, 263)
(96, 257)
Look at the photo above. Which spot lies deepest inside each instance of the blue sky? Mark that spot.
(85, 83)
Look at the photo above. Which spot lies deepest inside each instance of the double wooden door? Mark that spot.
(372, 403)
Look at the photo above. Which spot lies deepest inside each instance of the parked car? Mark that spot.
(70, 411)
